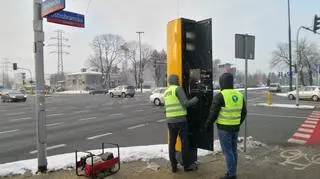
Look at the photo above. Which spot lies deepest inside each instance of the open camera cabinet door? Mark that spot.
(189, 51)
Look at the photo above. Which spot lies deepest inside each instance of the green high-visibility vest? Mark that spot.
(231, 113)
(172, 104)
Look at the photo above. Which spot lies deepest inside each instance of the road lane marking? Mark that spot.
(50, 148)
(115, 114)
(14, 114)
(297, 141)
(51, 115)
(89, 118)
(83, 111)
(270, 115)
(4, 132)
(20, 119)
(136, 126)
(306, 136)
(139, 110)
(98, 136)
(54, 124)
(305, 130)
(161, 120)
(309, 126)
(313, 119)
(311, 122)
(311, 116)
(128, 106)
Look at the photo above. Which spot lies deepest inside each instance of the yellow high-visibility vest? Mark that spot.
(172, 104)
(231, 113)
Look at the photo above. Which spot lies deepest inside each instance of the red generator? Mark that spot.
(98, 166)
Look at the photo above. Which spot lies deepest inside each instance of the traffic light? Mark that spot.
(15, 66)
(316, 23)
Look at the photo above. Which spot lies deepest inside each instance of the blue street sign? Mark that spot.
(67, 18)
(52, 6)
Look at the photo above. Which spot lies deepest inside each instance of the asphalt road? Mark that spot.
(84, 121)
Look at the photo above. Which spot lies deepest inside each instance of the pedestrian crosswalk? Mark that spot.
(309, 131)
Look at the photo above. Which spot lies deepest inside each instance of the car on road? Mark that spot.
(306, 92)
(275, 87)
(156, 97)
(122, 91)
(98, 91)
(13, 96)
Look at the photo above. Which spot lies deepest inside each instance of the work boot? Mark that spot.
(228, 177)
(174, 168)
(191, 167)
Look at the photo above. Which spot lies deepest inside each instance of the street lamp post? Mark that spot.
(140, 64)
(290, 53)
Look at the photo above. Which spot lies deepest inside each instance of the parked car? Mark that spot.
(122, 91)
(13, 96)
(306, 92)
(156, 97)
(98, 91)
(275, 87)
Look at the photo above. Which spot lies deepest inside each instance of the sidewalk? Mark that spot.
(294, 162)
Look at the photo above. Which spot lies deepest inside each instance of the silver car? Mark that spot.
(13, 96)
(122, 91)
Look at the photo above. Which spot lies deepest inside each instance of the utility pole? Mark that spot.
(290, 51)
(40, 102)
(140, 64)
(60, 51)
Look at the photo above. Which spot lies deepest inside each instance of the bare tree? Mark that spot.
(146, 52)
(107, 53)
(307, 65)
(131, 51)
(159, 64)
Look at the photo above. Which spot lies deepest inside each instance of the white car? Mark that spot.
(156, 97)
(306, 92)
(122, 91)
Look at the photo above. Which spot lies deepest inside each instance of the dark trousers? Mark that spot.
(180, 129)
(228, 142)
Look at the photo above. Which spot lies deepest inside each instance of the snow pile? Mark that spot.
(127, 154)
(73, 92)
(290, 106)
(249, 89)
(143, 90)
(282, 94)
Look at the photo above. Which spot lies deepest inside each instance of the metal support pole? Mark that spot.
(245, 91)
(40, 102)
(290, 51)
(297, 67)
(140, 64)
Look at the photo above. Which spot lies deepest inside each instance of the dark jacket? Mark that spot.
(174, 80)
(226, 82)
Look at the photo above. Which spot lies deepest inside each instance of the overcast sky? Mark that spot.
(265, 19)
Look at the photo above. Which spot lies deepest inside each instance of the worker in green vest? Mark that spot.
(228, 110)
(176, 104)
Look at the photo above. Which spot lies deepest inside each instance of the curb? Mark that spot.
(289, 106)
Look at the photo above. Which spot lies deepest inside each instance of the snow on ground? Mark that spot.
(249, 89)
(282, 94)
(73, 92)
(127, 154)
(291, 106)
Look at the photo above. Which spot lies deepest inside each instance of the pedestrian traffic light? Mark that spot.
(316, 23)
(15, 66)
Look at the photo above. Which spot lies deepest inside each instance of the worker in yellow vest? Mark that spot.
(228, 110)
(176, 104)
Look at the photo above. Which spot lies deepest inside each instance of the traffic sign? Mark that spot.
(52, 6)
(67, 18)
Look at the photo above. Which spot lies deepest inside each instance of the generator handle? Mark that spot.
(91, 156)
(116, 145)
